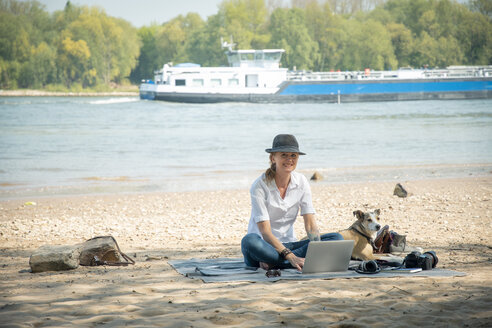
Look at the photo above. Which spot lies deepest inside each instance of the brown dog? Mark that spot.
(362, 232)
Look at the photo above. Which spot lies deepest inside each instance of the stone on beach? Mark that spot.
(400, 191)
(55, 258)
(316, 176)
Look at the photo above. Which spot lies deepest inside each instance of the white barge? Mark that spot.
(256, 76)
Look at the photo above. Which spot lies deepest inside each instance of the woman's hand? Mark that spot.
(296, 262)
(311, 227)
(266, 232)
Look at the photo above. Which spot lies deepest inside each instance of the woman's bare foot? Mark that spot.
(265, 266)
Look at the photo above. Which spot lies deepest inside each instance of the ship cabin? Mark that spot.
(258, 69)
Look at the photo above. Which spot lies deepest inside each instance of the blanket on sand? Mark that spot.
(234, 269)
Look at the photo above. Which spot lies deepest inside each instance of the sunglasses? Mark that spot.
(272, 273)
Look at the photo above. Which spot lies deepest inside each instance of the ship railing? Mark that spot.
(313, 76)
(450, 72)
(347, 75)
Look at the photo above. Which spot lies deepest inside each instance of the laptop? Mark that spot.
(328, 256)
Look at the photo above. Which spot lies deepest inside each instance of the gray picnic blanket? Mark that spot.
(234, 269)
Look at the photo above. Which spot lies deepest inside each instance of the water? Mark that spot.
(53, 145)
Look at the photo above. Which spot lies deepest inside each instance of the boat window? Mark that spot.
(198, 82)
(233, 82)
(273, 55)
(259, 56)
(247, 56)
(180, 82)
(215, 82)
(233, 57)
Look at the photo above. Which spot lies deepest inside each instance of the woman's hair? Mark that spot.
(270, 172)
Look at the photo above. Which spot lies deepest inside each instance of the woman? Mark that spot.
(276, 197)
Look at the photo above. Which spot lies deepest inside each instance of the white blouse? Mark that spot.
(267, 205)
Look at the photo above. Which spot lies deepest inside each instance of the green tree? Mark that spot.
(482, 6)
(368, 46)
(15, 40)
(425, 53)
(147, 62)
(289, 32)
(15, 43)
(9, 74)
(204, 46)
(246, 20)
(475, 38)
(172, 39)
(73, 61)
(40, 70)
(126, 51)
(325, 28)
(409, 13)
(403, 43)
(351, 7)
(113, 45)
(381, 15)
(449, 52)
(63, 18)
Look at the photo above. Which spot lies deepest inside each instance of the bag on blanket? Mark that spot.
(387, 241)
(103, 250)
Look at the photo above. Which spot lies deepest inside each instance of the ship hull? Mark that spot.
(344, 91)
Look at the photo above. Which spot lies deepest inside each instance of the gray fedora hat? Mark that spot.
(285, 143)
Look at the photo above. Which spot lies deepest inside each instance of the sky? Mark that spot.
(143, 12)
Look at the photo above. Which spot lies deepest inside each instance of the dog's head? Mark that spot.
(368, 220)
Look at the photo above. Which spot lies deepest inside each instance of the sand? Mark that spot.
(450, 216)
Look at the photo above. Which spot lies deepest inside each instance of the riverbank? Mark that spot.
(450, 216)
(43, 93)
(227, 180)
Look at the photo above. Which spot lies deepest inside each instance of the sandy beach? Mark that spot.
(450, 216)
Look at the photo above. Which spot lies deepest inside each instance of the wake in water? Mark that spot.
(116, 100)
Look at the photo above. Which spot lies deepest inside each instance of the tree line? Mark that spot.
(82, 47)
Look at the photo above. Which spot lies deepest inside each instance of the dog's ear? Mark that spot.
(377, 211)
(359, 214)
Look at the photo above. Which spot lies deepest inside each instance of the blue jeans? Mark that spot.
(256, 250)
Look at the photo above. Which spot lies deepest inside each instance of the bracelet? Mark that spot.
(285, 252)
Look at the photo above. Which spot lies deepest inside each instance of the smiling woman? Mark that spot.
(285, 146)
(276, 197)
(284, 163)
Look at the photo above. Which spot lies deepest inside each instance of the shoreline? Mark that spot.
(231, 180)
(42, 93)
(450, 216)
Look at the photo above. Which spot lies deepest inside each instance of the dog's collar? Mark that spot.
(369, 239)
